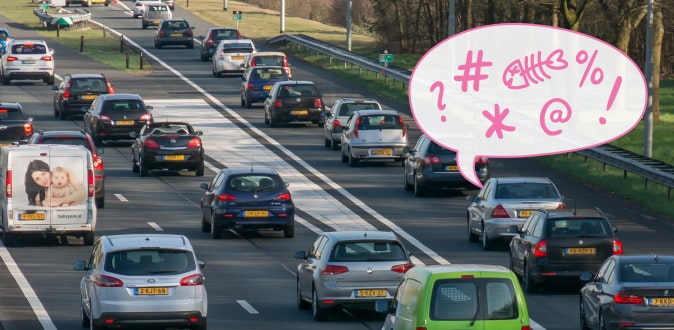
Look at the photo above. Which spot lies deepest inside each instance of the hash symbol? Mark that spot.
(471, 71)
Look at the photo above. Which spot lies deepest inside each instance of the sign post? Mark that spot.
(237, 15)
(385, 58)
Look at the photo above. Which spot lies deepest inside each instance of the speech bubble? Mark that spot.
(522, 90)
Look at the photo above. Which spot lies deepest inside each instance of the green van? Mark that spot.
(458, 297)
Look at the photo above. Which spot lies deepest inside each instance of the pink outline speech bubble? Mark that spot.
(521, 90)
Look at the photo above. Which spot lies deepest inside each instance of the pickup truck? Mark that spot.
(15, 125)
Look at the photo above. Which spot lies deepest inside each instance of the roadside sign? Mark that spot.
(237, 15)
(385, 57)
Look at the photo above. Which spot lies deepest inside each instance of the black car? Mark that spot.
(115, 116)
(294, 101)
(175, 31)
(167, 146)
(247, 198)
(629, 292)
(561, 245)
(76, 92)
(432, 166)
(78, 138)
(211, 39)
(15, 125)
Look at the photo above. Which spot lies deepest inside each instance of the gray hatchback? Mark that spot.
(350, 269)
(154, 13)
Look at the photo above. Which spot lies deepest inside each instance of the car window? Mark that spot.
(217, 181)
(377, 122)
(122, 105)
(149, 261)
(538, 227)
(88, 85)
(367, 251)
(603, 270)
(96, 256)
(648, 272)
(11, 114)
(587, 227)
(521, 190)
(29, 48)
(477, 298)
(269, 60)
(253, 183)
(224, 34)
(348, 108)
(68, 140)
(437, 149)
(410, 299)
(237, 48)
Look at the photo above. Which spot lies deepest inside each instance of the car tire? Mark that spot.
(190, 45)
(319, 314)
(144, 170)
(9, 239)
(63, 115)
(100, 202)
(216, 230)
(97, 141)
(418, 188)
(243, 102)
(487, 243)
(353, 161)
(471, 237)
(107, 3)
(84, 319)
(68, 5)
(528, 283)
(50, 80)
(144, 26)
(200, 170)
(134, 165)
(289, 230)
(6, 81)
(266, 119)
(345, 158)
(301, 303)
(583, 320)
(334, 144)
(326, 142)
(602, 322)
(205, 226)
(204, 58)
(88, 238)
(272, 121)
(248, 104)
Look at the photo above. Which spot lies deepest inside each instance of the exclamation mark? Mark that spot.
(611, 97)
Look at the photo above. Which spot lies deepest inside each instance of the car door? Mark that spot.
(519, 244)
(208, 199)
(477, 206)
(594, 292)
(58, 92)
(415, 158)
(327, 128)
(310, 266)
(88, 288)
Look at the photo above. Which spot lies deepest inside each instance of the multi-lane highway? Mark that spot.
(250, 278)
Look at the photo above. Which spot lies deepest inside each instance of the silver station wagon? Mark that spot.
(374, 135)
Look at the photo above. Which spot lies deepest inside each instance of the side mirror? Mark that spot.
(30, 118)
(201, 264)
(51, 52)
(586, 276)
(80, 265)
(615, 229)
(300, 255)
(54, 88)
(471, 198)
(406, 150)
(198, 133)
(100, 150)
(149, 107)
(242, 66)
(200, 38)
(204, 186)
(133, 135)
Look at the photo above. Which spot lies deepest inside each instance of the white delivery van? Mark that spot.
(47, 189)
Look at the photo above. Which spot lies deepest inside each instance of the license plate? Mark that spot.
(28, 62)
(299, 112)
(156, 22)
(125, 122)
(382, 152)
(580, 251)
(365, 293)
(174, 157)
(256, 214)
(88, 97)
(267, 87)
(661, 301)
(237, 57)
(176, 34)
(451, 168)
(151, 291)
(32, 216)
(524, 213)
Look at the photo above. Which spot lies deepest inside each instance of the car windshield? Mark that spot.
(439, 150)
(253, 183)
(123, 105)
(29, 48)
(11, 114)
(473, 299)
(267, 74)
(169, 129)
(88, 85)
(269, 60)
(526, 190)
(371, 122)
(586, 227)
(237, 48)
(348, 108)
(367, 251)
(224, 34)
(648, 272)
(149, 262)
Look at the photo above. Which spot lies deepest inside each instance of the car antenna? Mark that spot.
(575, 208)
(251, 163)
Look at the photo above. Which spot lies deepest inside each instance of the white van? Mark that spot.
(47, 189)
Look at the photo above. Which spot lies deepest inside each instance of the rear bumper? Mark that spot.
(29, 75)
(175, 41)
(364, 152)
(286, 115)
(150, 319)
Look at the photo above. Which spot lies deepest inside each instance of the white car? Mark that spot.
(374, 135)
(140, 6)
(339, 113)
(142, 279)
(230, 55)
(26, 59)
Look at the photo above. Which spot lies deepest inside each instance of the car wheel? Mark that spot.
(134, 165)
(528, 283)
(289, 230)
(100, 202)
(602, 322)
(9, 239)
(249, 104)
(418, 188)
(205, 226)
(345, 158)
(204, 58)
(326, 142)
(190, 45)
(353, 161)
(63, 115)
(107, 3)
(334, 144)
(487, 244)
(583, 321)
(84, 319)
(89, 238)
(5, 81)
(272, 121)
(216, 230)
(68, 5)
(50, 80)
(144, 26)
(301, 303)
(320, 124)
(471, 237)
(200, 170)
(97, 141)
(243, 102)
(266, 119)
(143, 167)
(320, 314)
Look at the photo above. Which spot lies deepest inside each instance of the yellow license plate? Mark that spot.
(237, 57)
(174, 157)
(125, 122)
(370, 293)
(32, 216)
(267, 87)
(156, 22)
(299, 112)
(256, 214)
(151, 291)
(662, 301)
(451, 168)
(88, 97)
(524, 213)
(176, 34)
(382, 152)
(580, 251)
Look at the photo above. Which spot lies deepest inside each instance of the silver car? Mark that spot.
(154, 13)
(230, 55)
(350, 269)
(141, 279)
(503, 202)
(374, 135)
(27, 59)
(339, 113)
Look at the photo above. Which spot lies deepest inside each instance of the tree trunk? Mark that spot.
(658, 35)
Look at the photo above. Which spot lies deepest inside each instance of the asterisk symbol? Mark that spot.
(497, 122)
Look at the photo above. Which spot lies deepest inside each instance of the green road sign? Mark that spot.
(385, 58)
(237, 15)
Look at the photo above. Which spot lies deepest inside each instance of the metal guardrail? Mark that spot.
(650, 169)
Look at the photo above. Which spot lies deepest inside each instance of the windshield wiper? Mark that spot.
(477, 308)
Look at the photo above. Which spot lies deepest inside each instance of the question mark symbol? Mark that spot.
(441, 105)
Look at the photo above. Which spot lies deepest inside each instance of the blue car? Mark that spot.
(257, 81)
(4, 39)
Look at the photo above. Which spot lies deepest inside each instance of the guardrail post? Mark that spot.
(121, 44)
(81, 44)
(141, 60)
(127, 60)
(58, 30)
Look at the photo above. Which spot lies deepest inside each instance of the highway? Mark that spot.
(250, 278)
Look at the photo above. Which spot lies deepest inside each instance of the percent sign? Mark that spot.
(597, 74)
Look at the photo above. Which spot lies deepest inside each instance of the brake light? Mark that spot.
(147, 117)
(334, 270)
(402, 268)
(12, 58)
(190, 33)
(28, 129)
(162, 33)
(90, 183)
(66, 92)
(623, 297)
(150, 143)
(194, 279)
(561, 206)
(194, 143)
(285, 62)
(541, 249)
(104, 118)
(8, 183)
(98, 163)
(355, 127)
(226, 197)
(430, 160)
(252, 62)
(482, 160)
(250, 86)
(278, 104)
(111, 90)
(617, 247)
(526, 327)
(402, 124)
(138, 4)
(209, 42)
(499, 212)
(336, 123)
(318, 103)
(284, 197)
(106, 281)
(46, 58)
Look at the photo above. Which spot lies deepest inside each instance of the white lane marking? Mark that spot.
(121, 198)
(247, 307)
(211, 167)
(155, 226)
(535, 326)
(307, 224)
(22, 282)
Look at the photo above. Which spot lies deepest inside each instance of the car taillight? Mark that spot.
(104, 118)
(28, 129)
(526, 327)
(98, 163)
(355, 127)
(226, 197)
(336, 123)
(190, 33)
(150, 143)
(431, 159)
(285, 62)
(402, 268)
(8, 183)
(252, 62)
(499, 212)
(482, 160)
(12, 58)
(162, 33)
(138, 4)
(402, 124)
(541, 249)
(334, 270)
(209, 42)
(194, 279)
(111, 90)
(318, 103)
(46, 58)
(66, 92)
(625, 298)
(194, 143)
(282, 197)
(90, 183)
(106, 281)
(250, 86)
(146, 117)
(278, 104)
(617, 247)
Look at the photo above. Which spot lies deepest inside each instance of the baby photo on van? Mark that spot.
(60, 185)
(57, 187)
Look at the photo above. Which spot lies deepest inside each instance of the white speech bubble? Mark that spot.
(520, 90)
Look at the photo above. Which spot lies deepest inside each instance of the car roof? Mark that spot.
(459, 268)
(295, 82)
(354, 235)
(375, 112)
(252, 170)
(269, 54)
(357, 100)
(237, 41)
(23, 41)
(573, 214)
(522, 179)
(139, 241)
(10, 105)
(644, 258)
(86, 75)
(159, 123)
(174, 20)
(63, 133)
(121, 96)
